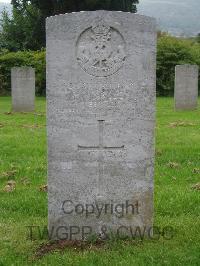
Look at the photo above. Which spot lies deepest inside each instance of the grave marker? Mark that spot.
(23, 89)
(101, 118)
(186, 87)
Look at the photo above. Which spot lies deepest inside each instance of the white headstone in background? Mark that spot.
(23, 89)
(186, 87)
(101, 75)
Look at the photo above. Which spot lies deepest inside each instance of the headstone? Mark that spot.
(23, 89)
(101, 117)
(186, 87)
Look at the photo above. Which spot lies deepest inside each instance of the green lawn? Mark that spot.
(177, 169)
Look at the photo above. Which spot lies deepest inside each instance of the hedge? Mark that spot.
(27, 58)
(171, 51)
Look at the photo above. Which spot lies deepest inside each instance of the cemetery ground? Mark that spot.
(23, 195)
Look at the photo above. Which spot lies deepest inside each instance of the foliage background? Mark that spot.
(171, 51)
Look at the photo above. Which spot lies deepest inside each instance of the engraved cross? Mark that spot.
(101, 147)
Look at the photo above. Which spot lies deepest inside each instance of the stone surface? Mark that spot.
(186, 87)
(23, 89)
(101, 117)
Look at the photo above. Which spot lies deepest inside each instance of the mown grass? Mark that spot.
(23, 159)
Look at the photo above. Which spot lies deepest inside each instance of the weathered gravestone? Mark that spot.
(23, 89)
(186, 87)
(101, 114)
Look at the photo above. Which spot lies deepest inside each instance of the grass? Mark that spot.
(177, 168)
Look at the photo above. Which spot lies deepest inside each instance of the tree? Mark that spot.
(26, 29)
(23, 30)
(53, 7)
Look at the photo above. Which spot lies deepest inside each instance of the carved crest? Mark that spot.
(101, 50)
